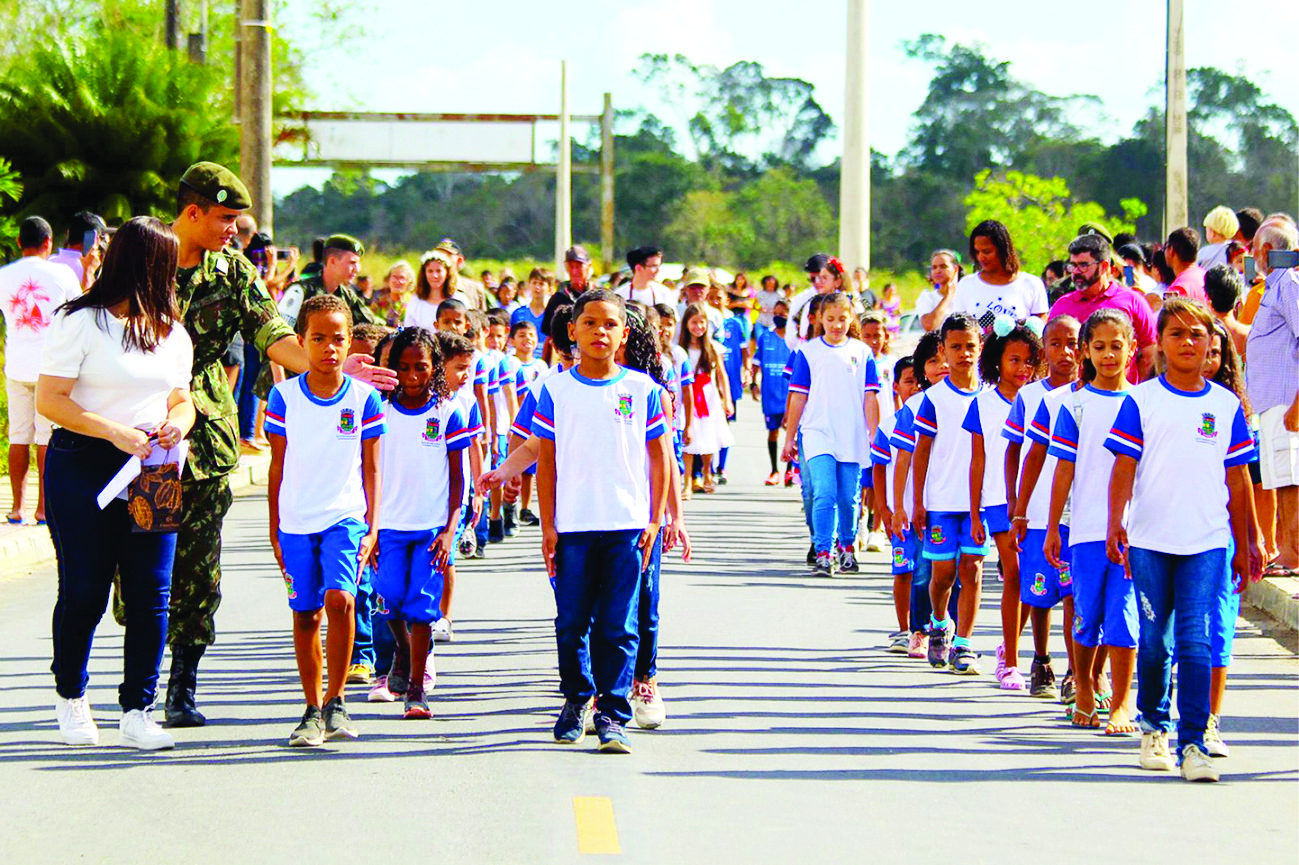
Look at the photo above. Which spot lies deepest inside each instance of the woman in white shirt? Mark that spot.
(114, 380)
(999, 287)
(435, 282)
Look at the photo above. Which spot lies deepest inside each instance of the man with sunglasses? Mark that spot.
(1095, 288)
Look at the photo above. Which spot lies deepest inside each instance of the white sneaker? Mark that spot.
(875, 542)
(1213, 739)
(430, 673)
(76, 726)
(647, 704)
(139, 730)
(1197, 766)
(442, 631)
(1154, 752)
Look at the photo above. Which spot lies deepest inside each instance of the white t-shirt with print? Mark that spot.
(1022, 297)
(416, 473)
(31, 289)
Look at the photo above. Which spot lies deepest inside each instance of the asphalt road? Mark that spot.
(791, 735)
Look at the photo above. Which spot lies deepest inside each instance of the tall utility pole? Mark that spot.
(563, 177)
(606, 184)
(855, 169)
(1176, 197)
(255, 107)
(173, 25)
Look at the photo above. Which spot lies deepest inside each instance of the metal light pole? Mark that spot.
(855, 169)
(1176, 196)
(255, 108)
(563, 177)
(606, 184)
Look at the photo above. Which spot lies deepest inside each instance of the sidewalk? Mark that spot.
(27, 547)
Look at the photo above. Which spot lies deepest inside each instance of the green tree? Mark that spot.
(11, 187)
(789, 218)
(1039, 213)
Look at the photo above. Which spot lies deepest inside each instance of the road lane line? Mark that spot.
(596, 831)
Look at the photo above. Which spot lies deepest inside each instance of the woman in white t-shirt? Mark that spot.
(999, 287)
(435, 282)
(935, 303)
(114, 380)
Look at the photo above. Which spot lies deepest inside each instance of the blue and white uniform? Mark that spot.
(772, 354)
(986, 418)
(950, 530)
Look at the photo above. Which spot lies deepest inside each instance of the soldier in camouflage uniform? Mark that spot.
(220, 296)
(342, 261)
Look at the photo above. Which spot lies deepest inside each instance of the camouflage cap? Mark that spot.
(218, 184)
(345, 242)
(696, 276)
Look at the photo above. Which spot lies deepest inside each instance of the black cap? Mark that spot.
(577, 253)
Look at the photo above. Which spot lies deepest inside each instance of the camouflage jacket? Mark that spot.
(221, 297)
(361, 313)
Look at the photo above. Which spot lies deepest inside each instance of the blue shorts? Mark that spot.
(502, 450)
(774, 421)
(904, 553)
(1040, 584)
(407, 582)
(996, 518)
(867, 478)
(321, 562)
(950, 535)
(1104, 600)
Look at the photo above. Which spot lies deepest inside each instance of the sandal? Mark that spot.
(1276, 569)
(1128, 729)
(1091, 720)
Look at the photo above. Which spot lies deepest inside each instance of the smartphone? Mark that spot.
(1251, 270)
(1129, 276)
(1282, 258)
(88, 241)
(283, 254)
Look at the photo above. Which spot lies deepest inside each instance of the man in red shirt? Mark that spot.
(1180, 251)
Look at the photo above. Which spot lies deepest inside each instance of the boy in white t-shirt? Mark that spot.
(505, 404)
(323, 493)
(602, 479)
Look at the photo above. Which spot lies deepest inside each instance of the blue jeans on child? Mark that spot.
(363, 644)
(834, 500)
(1174, 596)
(92, 544)
(597, 592)
(647, 655)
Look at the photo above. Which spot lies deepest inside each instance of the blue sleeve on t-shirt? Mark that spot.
(1040, 429)
(1064, 436)
(973, 424)
(654, 424)
(522, 426)
(872, 375)
(275, 408)
(1241, 450)
(904, 431)
(1013, 429)
(456, 435)
(926, 420)
(1126, 437)
(880, 453)
(372, 425)
(800, 376)
(543, 416)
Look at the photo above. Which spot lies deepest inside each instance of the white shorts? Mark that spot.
(1278, 450)
(26, 427)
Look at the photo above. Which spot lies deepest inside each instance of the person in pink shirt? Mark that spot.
(1096, 288)
(1180, 251)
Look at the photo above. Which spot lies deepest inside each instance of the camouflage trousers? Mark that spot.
(196, 576)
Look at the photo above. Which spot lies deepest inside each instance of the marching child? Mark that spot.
(423, 450)
(770, 354)
(1028, 503)
(708, 401)
(602, 479)
(680, 381)
(1104, 603)
(505, 405)
(905, 386)
(1009, 361)
(941, 495)
(832, 376)
(323, 523)
(1168, 430)
(523, 337)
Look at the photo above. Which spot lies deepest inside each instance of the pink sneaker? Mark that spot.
(1012, 680)
(919, 645)
(379, 692)
(1001, 661)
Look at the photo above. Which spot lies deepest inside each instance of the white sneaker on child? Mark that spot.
(442, 631)
(76, 726)
(139, 730)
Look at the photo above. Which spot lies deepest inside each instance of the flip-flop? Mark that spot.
(14, 521)
(1092, 716)
(1111, 730)
(1278, 570)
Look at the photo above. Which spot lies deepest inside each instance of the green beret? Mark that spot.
(217, 184)
(345, 242)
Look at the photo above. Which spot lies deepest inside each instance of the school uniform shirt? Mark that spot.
(522, 426)
(507, 368)
(684, 377)
(882, 452)
(904, 425)
(321, 483)
(836, 380)
(735, 336)
(416, 471)
(947, 479)
(526, 373)
(771, 354)
(986, 416)
(600, 429)
(1082, 424)
(1022, 411)
(1182, 443)
(1039, 432)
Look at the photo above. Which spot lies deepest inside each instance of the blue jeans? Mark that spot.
(805, 485)
(834, 500)
(597, 593)
(247, 399)
(647, 656)
(363, 643)
(1175, 595)
(92, 544)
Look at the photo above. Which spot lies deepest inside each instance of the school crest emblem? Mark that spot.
(1077, 624)
(624, 410)
(432, 427)
(288, 585)
(1208, 425)
(899, 557)
(936, 535)
(347, 421)
(381, 606)
(1066, 576)
(1039, 585)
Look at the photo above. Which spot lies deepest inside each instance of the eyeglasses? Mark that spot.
(1081, 265)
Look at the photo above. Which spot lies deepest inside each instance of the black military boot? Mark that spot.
(181, 711)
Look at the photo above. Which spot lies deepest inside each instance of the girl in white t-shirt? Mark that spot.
(420, 509)
(999, 287)
(831, 377)
(1009, 360)
(708, 401)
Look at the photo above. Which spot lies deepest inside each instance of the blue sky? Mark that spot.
(503, 55)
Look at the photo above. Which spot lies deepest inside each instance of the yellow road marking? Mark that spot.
(596, 831)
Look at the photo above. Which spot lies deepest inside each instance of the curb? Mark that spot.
(32, 548)
(1276, 597)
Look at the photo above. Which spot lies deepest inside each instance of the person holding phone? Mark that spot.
(114, 380)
